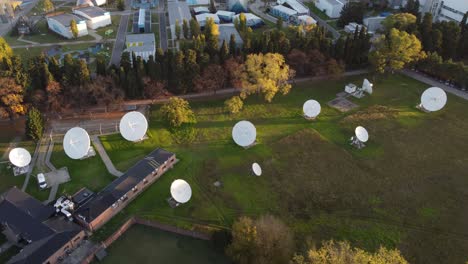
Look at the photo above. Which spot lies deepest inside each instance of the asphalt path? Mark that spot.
(119, 43)
(162, 26)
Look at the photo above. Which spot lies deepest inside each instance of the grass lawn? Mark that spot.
(317, 11)
(114, 26)
(44, 35)
(406, 189)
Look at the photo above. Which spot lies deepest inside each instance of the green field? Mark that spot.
(162, 246)
(405, 189)
(114, 26)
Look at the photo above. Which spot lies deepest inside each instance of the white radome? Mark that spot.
(367, 86)
(244, 133)
(76, 143)
(181, 191)
(311, 108)
(433, 99)
(361, 134)
(20, 157)
(257, 169)
(133, 126)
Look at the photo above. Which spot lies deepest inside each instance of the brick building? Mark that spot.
(43, 236)
(104, 205)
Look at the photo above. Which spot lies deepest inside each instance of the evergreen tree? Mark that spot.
(185, 29)
(152, 68)
(100, 65)
(279, 23)
(83, 76)
(463, 42)
(232, 45)
(425, 29)
(5, 49)
(224, 52)
(192, 70)
(212, 6)
(74, 28)
(351, 12)
(211, 33)
(34, 124)
(121, 5)
(125, 61)
(178, 29)
(194, 28)
(412, 7)
(68, 76)
(17, 71)
(54, 68)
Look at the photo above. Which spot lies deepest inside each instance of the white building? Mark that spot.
(202, 18)
(178, 11)
(351, 27)
(295, 5)
(91, 2)
(373, 23)
(252, 20)
(448, 10)
(200, 10)
(142, 45)
(225, 16)
(287, 14)
(225, 32)
(306, 20)
(60, 24)
(331, 7)
(95, 16)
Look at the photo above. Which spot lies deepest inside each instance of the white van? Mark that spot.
(41, 181)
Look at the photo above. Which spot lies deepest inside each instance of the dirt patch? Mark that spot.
(375, 112)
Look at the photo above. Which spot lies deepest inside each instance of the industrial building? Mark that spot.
(445, 10)
(178, 11)
(295, 5)
(143, 45)
(225, 16)
(287, 14)
(373, 24)
(91, 2)
(44, 236)
(142, 21)
(202, 18)
(95, 16)
(331, 7)
(60, 24)
(252, 20)
(238, 6)
(225, 32)
(114, 197)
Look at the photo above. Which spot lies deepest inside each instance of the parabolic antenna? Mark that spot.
(367, 86)
(133, 126)
(361, 134)
(311, 108)
(257, 169)
(433, 99)
(76, 143)
(244, 133)
(20, 157)
(181, 191)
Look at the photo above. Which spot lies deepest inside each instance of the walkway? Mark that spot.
(427, 80)
(119, 44)
(65, 43)
(162, 26)
(105, 158)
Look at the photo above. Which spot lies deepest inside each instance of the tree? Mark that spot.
(121, 5)
(194, 28)
(279, 23)
(211, 33)
(5, 50)
(412, 7)
(212, 79)
(185, 29)
(54, 100)
(450, 39)
(265, 74)
(264, 241)
(48, 5)
(74, 28)
(178, 29)
(395, 51)
(11, 98)
(297, 59)
(351, 12)
(177, 112)
(34, 124)
(152, 89)
(341, 252)
(425, 29)
(82, 72)
(101, 65)
(400, 21)
(234, 105)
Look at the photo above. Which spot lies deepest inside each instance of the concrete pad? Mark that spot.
(57, 177)
(342, 104)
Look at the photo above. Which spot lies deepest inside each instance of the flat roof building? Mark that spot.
(95, 16)
(143, 45)
(225, 32)
(225, 16)
(200, 10)
(202, 18)
(252, 20)
(295, 5)
(331, 7)
(178, 11)
(47, 238)
(115, 196)
(60, 24)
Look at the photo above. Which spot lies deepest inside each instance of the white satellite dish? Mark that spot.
(244, 133)
(20, 157)
(76, 143)
(361, 134)
(367, 86)
(433, 99)
(133, 126)
(181, 191)
(257, 169)
(311, 108)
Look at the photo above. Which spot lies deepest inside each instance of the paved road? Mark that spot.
(120, 40)
(59, 43)
(162, 25)
(105, 158)
(323, 23)
(427, 80)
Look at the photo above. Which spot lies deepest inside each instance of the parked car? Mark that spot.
(41, 181)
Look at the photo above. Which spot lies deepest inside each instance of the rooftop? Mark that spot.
(285, 10)
(65, 19)
(178, 11)
(92, 11)
(116, 189)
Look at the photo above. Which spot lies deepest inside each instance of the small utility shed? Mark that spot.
(60, 24)
(142, 45)
(96, 17)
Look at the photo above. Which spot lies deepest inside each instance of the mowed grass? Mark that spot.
(406, 189)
